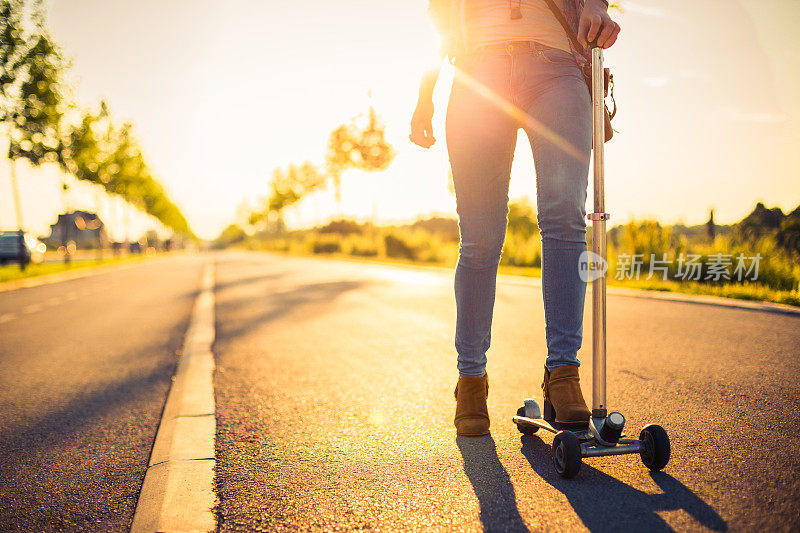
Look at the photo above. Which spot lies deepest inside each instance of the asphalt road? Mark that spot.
(85, 366)
(334, 404)
(334, 409)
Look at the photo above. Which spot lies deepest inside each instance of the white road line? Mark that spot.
(7, 317)
(178, 490)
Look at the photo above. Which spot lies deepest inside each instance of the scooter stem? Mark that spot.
(598, 219)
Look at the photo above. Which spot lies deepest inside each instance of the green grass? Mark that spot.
(12, 272)
(750, 291)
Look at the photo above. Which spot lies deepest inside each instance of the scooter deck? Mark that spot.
(583, 433)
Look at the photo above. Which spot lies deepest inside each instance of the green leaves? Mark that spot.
(359, 144)
(290, 185)
(34, 107)
(32, 90)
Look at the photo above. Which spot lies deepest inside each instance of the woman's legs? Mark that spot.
(560, 134)
(480, 141)
(481, 138)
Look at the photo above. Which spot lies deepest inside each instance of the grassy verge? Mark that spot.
(13, 272)
(749, 291)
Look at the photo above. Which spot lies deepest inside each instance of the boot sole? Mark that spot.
(477, 430)
(472, 434)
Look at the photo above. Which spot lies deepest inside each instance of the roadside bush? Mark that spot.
(522, 220)
(360, 246)
(776, 268)
(399, 248)
(444, 228)
(342, 227)
(323, 245)
(522, 251)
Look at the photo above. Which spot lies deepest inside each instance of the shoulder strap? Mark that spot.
(560, 17)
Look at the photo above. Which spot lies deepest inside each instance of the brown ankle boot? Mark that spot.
(472, 415)
(563, 398)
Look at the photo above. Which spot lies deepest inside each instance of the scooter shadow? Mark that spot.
(491, 483)
(605, 503)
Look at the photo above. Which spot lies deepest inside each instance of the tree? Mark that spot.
(711, 228)
(33, 105)
(290, 186)
(232, 234)
(30, 88)
(341, 143)
(36, 122)
(109, 156)
(97, 151)
(361, 146)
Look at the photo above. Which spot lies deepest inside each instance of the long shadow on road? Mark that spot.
(79, 465)
(87, 408)
(491, 484)
(260, 278)
(246, 316)
(604, 503)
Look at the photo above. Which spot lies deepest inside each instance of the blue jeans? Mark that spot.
(498, 90)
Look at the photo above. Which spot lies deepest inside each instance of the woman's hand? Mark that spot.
(421, 124)
(595, 23)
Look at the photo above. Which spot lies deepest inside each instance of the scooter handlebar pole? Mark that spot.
(598, 239)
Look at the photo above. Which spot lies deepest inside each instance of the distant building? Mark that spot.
(152, 238)
(84, 228)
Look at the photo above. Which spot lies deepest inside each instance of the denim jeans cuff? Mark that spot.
(471, 375)
(552, 366)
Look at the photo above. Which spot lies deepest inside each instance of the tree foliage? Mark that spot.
(358, 145)
(290, 185)
(35, 105)
(32, 88)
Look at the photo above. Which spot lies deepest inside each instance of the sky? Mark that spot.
(222, 93)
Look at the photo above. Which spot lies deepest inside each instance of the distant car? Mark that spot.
(16, 247)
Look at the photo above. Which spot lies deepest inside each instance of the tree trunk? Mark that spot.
(15, 188)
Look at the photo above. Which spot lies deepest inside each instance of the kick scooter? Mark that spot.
(603, 436)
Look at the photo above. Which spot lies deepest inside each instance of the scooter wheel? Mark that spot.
(567, 454)
(655, 454)
(525, 429)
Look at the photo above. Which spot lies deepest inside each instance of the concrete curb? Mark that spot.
(178, 490)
